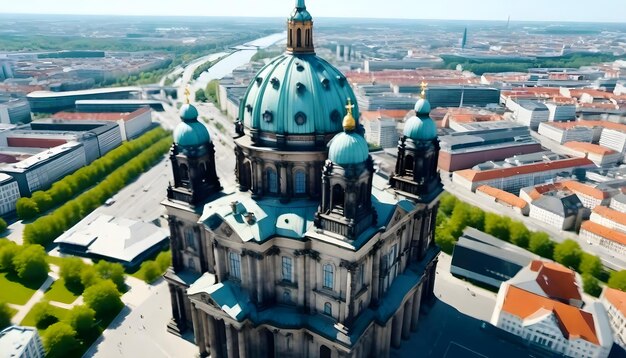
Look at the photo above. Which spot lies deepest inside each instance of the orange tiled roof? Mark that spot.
(617, 298)
(475, 176)
(125, 116)
(589, 148)
(573, 322)
(589, 124)
(610, 214)
(503, 196)
(556, 280)
(605, 232)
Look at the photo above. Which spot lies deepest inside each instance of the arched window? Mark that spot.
(328, 309)
(325, 352)
(409, 164)
(184, 173)
(203, 171)
(290, 38)
(272, 181)
(287, 269)
(246, 176)
(306, 39)
(299, 38)
(329, 276)
(235, 265)
(287, 296)
(191, 264)
(190, 238)
(338, 197)
(300, 182)
(365, 196)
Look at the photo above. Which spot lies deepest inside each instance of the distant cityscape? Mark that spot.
(344, 188)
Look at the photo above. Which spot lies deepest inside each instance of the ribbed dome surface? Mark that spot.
(420, 129)
(297, 94)
(188, 134)
(422, 107)
(348, 148)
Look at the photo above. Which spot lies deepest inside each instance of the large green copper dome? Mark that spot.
(190, 132)
(296, 94)
(348, 148)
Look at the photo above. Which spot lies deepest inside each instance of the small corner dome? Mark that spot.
(188, 112)
(420, 129)
(422, 107)
(191, 134)
(348, 148)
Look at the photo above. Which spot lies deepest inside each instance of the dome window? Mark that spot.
(325, 83)
(259, 80)
(300, 118)
(341, 80)
(268, 116)
(300, 87)
(299, 67)
(335, 116)
(275, 82)
(249, 108)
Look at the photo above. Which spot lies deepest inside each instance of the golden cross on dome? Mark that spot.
(349, 106)
(424, 86)
(187, 94)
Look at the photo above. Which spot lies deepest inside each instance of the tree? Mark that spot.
(3, 225)
(591, 285)
(59, 340)
(83, 320)
(541, 244)
(618, 280)
(43, 315)
(26, 208)
(476, 218)
(7, 254)
(201, 96)
(43, 201)
(445, 240)
(111, 271)
(497, 226)
(568, 253)
(30, 263)
(104, 298)
(459, 220)
(590, 264)
(5, 315)
(519, 234)
(71, 270)
(447, 203)
(151, 271)
(164, 260)
(89, 276)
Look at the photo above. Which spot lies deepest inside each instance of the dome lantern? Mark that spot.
(300, 30)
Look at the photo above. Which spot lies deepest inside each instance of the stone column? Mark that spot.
(219, 260)
(241, 340)
(175, 304)
(406, 324)
(300, 261)
(259, 280)
(396, 328)
(212, 335)
(198, 331)
(230, 342)
(376, 277)
(417, 298)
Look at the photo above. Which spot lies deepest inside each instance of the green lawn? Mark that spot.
(29, 320)
(13, 290)
(58, 292)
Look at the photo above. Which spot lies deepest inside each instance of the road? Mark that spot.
(608, 259)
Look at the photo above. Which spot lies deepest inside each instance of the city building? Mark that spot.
(482, 258)
(40, 171)
(595, 234)
(117, 105)
(504, 198)
(561, 112)
(560, 209)
(404, 64)
(464, 150)
(126, 241)
(610, 218)
(614, 301)
(590, 196)
(529, 113)
(618, 202)
(380, 131)
(9, 193)
(512, 179)
(132, 124)
(52, 102)
(456, 118)
(614, 139)
(21, 342)
(313, 254)
(14, 110)
(543, 305)
(563, 134)
(459, 96)
(599, 155)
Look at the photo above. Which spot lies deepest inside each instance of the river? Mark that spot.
(241, 56)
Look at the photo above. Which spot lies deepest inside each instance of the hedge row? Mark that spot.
(454, 216)
(85, 177)
(47, 228)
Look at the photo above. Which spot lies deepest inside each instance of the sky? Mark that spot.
(524, 10)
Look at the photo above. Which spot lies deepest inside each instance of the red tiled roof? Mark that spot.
(589, 148)
(589, 124)
(79, 116)
(503, 196)
(617, 298)
(556, 280)
(611, 214)
(605, 232)
(573, 322)
(475, 176)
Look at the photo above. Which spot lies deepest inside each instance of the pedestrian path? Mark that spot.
(37, 296)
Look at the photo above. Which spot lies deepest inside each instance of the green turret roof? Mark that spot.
(190, 132)
(300, 13)
(348, 148)
(421, 127)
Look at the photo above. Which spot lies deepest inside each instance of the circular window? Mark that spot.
(335, 116)
(268, 116)
(300, 118)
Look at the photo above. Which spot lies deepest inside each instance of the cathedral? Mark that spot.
(313, 253)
